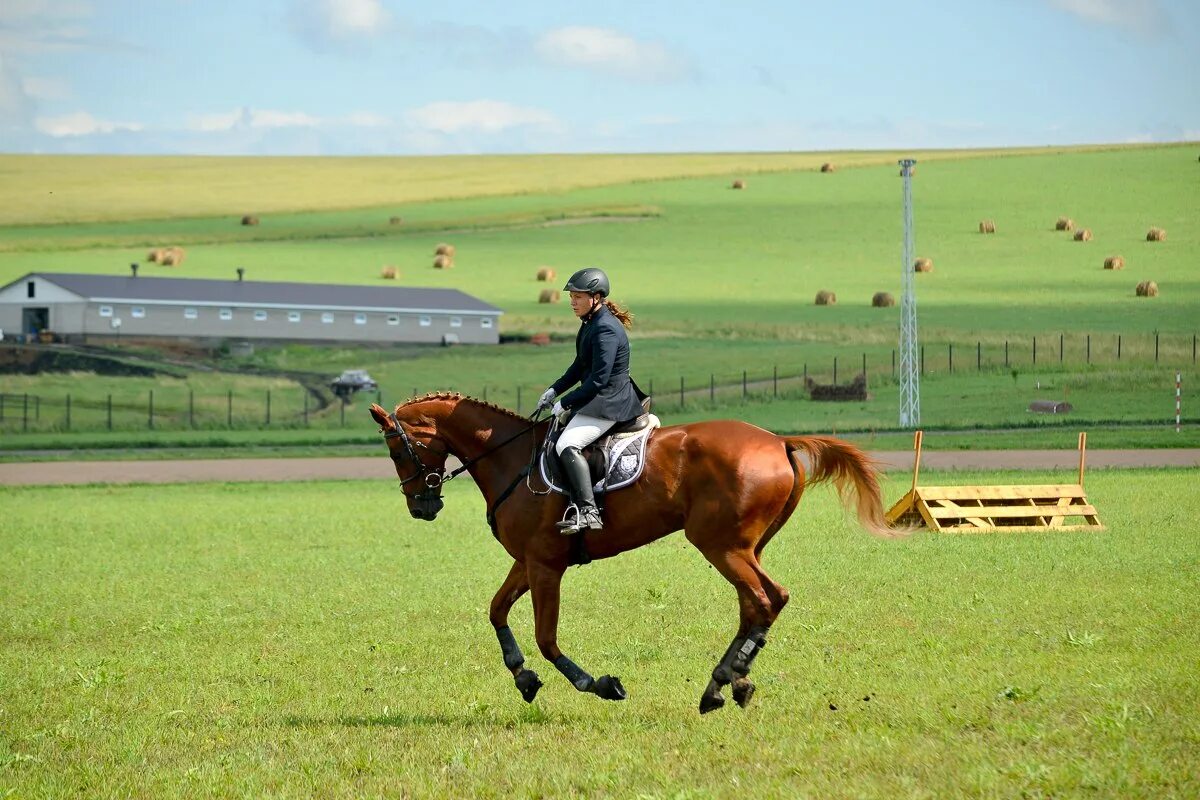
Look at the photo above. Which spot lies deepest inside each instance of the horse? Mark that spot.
(730, 486)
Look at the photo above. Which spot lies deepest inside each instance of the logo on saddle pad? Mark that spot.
(617, 460)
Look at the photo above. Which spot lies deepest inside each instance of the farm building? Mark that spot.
(78, 308)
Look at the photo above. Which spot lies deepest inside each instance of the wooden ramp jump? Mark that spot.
(978, 509)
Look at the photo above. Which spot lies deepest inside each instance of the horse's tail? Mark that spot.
(848, 467)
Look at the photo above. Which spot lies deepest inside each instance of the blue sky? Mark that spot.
(334, 77)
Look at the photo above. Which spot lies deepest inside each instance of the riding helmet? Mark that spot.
(591, 280)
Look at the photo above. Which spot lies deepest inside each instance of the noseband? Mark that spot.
(433, 478)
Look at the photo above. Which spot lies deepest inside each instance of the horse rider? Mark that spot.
(606, 394)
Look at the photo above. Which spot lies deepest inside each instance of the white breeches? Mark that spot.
(581, 431)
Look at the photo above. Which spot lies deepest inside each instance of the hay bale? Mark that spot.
(443, 262)
(882, 300)
(389, 273)
(444, 250)
(1147, 289)
(172, 257)
(1156, 235)
(395, 220)
(540, 339)
(1114, 262)
(827, 167)
(155, 255)
(249, 219)
(1083, 235)
(923, 265)
(987, 226)
(546, 274)
(1064, 224)
(548, 296)
(739, 184)
(825, 298)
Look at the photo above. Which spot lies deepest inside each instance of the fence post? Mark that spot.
(922, 359)
(151, 409)
(806, 372)
(1035, 350)
(37, 408)
(978, 356)
(1155, 347)
(268, 407)
(864, 371)
(1006, 352)
(743, 385)
(1060, 348)
(68, 412)
(681, 391)
(1118, 347)
(893, 362)
(191, 408)
(835, 370)
(950, 358)
(110, 412)
(1089, 348)
(1, 406)
(775, 379)
(25, 412)
(712, 388)
(229, 409)
(1193, 348)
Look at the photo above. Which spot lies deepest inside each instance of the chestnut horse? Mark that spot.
(729, 485)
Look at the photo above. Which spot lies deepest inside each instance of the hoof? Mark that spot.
(711, 700)
(528, 684)
(609, 688)
(743, 691)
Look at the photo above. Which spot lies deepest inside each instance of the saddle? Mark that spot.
(616, 459)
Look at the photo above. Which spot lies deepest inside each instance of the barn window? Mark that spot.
(137, 312)
(260, 316)
(426, 320)
(31, 288)
(326, 316)
(190, 313)
(485, 322)
(226, 314)
(106, 311)
(456, 322)
(360, 319)
(293, 316)
(394, 319)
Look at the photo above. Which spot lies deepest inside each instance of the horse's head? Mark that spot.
(420, 465)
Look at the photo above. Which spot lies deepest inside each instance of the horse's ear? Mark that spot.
(381, 416)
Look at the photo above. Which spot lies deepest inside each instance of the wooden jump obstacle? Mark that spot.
(978, 509)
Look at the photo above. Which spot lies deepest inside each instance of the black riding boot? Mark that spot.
(586, 515)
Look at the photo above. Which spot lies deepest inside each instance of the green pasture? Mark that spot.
(310, 639)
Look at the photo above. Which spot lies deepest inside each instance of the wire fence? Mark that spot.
(178, 408)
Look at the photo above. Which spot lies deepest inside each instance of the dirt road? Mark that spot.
(378, 467)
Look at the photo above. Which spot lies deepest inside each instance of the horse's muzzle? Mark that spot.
(425, 508)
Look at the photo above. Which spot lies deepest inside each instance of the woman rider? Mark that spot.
(606, 394)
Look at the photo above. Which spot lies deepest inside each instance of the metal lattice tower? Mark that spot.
(910, 373)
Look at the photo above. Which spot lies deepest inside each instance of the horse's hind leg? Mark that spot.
(515, 585)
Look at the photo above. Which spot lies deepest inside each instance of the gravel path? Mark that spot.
(51, 473)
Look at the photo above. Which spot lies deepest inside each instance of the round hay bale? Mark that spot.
(546, 274)
(1147, 289)
(540, 339)
(444, 250)
(1083, 235)
(443, 262)
(987, 226)
(827, 167)
(389, 272)
(1114, 262)
(923, 265)
(395, 220)
(882, 300)
(1156, 235)
(548, 296)
(825, 298)
(172, 257)
(249, 219)
(1064, 224)
(739, 184)
(155, 255)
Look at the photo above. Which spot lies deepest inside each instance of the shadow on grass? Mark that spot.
(479, 718)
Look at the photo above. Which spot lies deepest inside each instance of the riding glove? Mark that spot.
(560, 412)
(546, 399)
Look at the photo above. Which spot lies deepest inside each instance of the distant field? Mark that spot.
(311, 639)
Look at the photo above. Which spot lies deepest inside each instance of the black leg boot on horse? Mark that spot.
(583, 501)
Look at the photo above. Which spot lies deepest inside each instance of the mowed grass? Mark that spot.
(311, 639)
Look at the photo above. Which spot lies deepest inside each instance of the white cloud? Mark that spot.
(335, 24)
(1140, 16)
(47, 88)
(610, 51)
(487, 116)
(81, 123)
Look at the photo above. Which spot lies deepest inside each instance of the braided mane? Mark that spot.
(462, 398)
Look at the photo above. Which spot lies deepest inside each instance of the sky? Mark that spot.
(395, 77)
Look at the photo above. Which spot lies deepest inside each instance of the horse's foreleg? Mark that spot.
(515, 585)
(546, 584)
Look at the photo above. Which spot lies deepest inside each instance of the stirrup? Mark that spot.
(587, 518)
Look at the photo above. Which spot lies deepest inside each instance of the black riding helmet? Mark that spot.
(591, 280)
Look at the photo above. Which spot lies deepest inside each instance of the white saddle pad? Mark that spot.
(626, 458)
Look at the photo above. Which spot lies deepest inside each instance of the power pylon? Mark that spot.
(910, 374)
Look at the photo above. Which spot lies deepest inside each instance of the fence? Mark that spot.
(298, 408)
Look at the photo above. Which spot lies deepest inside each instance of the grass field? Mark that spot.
(307, 640)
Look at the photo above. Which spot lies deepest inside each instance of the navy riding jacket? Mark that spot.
(601, 368)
